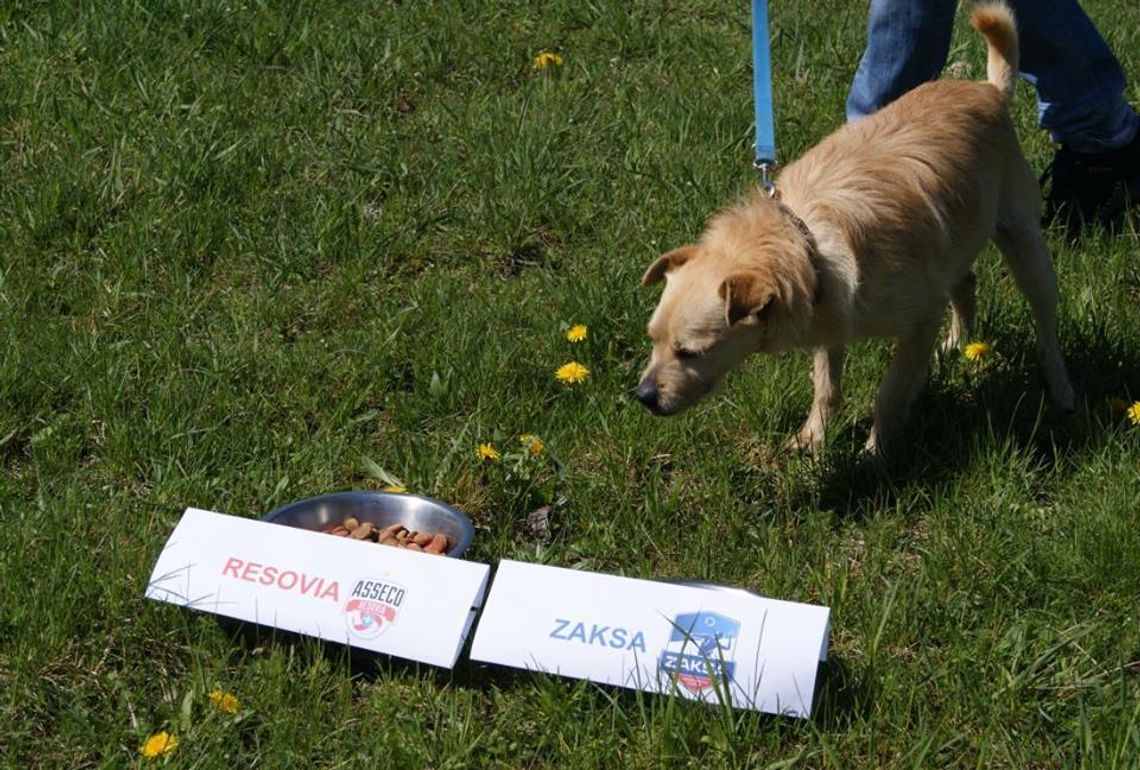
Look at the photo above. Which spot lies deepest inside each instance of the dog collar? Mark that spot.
(812, 247)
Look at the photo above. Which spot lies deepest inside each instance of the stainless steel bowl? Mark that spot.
(382, 509)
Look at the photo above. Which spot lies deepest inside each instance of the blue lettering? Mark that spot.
(559, 627)
(694, 665)
(603, 636)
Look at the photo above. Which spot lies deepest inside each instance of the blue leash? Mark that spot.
(762, 89)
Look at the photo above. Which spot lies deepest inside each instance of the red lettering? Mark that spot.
(310, 583)
(285, 579)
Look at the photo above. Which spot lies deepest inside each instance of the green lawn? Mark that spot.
(252, 252)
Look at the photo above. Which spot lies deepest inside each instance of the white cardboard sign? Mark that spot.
(659, 637)
(411, 605)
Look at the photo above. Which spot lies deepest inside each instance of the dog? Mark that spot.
(868, 234)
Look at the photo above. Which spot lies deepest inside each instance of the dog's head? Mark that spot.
(748, 286)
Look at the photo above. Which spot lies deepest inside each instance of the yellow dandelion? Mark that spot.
(1134, 413)
(488, 452)
(546, 59)
(227, 702)
(533, 443)
(159, 744)
(576, 333)
(572, 373)
(395, 489)
(976, 350)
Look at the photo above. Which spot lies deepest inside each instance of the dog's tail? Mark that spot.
(995, 21)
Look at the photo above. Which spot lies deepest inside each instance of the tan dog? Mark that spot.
(872, 231)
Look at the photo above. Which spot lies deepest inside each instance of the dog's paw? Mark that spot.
(873, 449)
(951, 345)
(1066, 398)
(806, 441)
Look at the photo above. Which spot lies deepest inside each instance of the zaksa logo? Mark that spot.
(701, 649)
(372, 606)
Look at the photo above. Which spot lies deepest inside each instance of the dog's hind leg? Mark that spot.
(1026, 254)
(1023, 246)
(826, 376)
(963, 309)
(905, 375)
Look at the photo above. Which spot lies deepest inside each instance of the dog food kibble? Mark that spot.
(395, 534)
(363, 532)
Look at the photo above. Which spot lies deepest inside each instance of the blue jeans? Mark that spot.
(1079, 83)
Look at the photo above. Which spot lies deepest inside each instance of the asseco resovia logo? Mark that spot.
(372, 606)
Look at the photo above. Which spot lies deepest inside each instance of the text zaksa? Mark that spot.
(614, 637)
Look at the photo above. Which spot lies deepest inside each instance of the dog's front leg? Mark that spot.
(826, 376)
(905, 375)
(963, 309)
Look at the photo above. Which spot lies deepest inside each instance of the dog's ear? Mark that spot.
(745, 296)
(666, 262)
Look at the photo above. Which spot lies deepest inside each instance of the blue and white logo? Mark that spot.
(701, 649)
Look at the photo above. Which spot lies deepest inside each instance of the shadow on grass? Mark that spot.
(840, 698)
(959, 414)
(254, 638)
(371, 666)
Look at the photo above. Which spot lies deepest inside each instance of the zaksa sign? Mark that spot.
(699, 643)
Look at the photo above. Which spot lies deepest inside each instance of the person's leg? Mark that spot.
(1080, 86)
(1095, 174)
(907, 43)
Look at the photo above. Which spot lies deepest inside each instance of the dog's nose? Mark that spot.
(647, 393)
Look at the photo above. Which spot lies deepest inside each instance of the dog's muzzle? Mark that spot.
(648, 394)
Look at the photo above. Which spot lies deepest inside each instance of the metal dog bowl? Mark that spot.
(382, 509)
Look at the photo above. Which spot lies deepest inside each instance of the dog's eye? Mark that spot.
(685, 354)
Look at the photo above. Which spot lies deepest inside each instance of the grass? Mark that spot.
(252, 252)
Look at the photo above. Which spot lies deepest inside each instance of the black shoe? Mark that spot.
(1087, 189)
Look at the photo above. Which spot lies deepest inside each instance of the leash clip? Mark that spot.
(767, 184)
